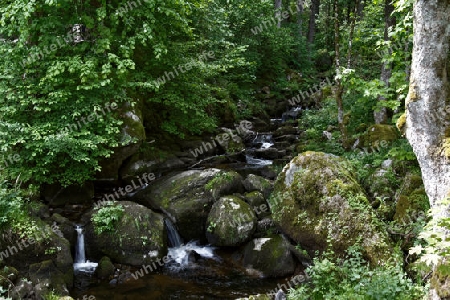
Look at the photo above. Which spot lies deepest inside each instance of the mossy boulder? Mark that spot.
(8, 275)
(44, 246)
(231, 222)
(378, 133)
(131, 137)
(317, 200)
(270, 256)
(412, 200)
(139, 236)
(47, 271)
(230, 141)
(258, 203)
(105, 268)
(257, 183)
(187, 198)
(440, 281)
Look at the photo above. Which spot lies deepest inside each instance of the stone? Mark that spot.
(317, 201)
(231, 222)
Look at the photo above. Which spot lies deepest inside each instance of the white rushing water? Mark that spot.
(80, 263)
(180, 255)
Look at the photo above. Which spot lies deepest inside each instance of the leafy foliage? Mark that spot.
(352, 278)
(105, 219)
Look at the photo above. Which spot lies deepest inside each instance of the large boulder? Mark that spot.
(139, 236)
(317, 201)
(231, 222)
(42, 256)
(131, 137)
(258, 183)
(271, 256)
(187, 197)
(58, 196)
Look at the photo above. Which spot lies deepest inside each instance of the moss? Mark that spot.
(401, 122)
(440, 281)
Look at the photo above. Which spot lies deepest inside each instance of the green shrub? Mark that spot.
(106, 218)
(352, 278)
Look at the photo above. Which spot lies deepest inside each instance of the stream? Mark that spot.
(193, 271)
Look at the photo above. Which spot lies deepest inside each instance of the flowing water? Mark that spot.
(81, 265)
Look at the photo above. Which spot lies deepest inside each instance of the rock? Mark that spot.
(257, 183)
(280, 295)
(187, 198)
(285, 130)
(47, 277)
(268, 153)
(257, 202)
(105, 268)
(270, 255)
(132, 136)
(377, 133)
(23, 290)
(291, 114)
(66, 227)
(139, 237)
(231, 222)
(230, 141)
(317, 197)
(8, 275)
(57, 196)
(412, 200)
(47, 250)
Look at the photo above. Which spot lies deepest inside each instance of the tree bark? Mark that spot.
(315, 4)
(386, 67)
(278, 7)
(339, 87)
(427, 104)
(300, 18)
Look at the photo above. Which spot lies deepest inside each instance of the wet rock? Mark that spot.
(187, 197)
(231, 222)
(23, 290)
(105, 268)
(317, 198)
(258, 183)
(257, 202)
(269, 255)
(139, 236)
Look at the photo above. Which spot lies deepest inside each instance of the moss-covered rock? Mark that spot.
(8, 275)
(58, 196)
(412, 200)
(270, 255)
(259, 205)
(139, 236)
(258, 183)
(105, 268)
(378, 133)
(440, 281)
(231, 222)
(317, 200)
(187, 198)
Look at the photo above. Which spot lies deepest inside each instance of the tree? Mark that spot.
(427, 107)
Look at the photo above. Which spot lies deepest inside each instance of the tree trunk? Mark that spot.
(339, 87)
(278, 8)
(315, 4)
(300, 18)
(427, 104)
(350, 37)
(386, 67)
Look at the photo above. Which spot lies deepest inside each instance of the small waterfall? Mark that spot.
(80, 262)
(80, 254)
(172, 234)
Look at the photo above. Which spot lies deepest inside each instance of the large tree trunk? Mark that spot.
(300, 18)
(386, 68)
(315, 4)
(427, 104)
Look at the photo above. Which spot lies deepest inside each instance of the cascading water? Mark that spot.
(181, 255)
(81, 264)
(80, 254)
(172, 234)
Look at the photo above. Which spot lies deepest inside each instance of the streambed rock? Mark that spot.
(231, 222)
(316, 196)
(139, 236)
(269, 255)
(187, 197)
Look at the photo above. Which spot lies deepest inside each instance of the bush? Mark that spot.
(352, 278)
(106, 218)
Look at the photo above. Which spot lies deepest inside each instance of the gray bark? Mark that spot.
(315, 5)
(278, 8)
